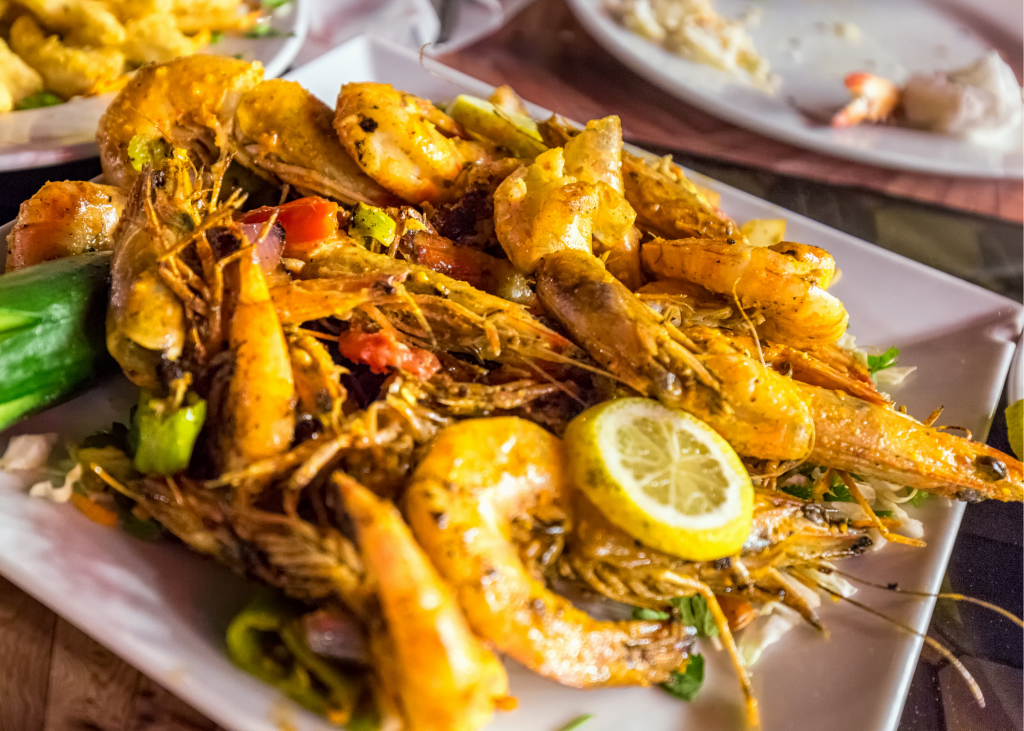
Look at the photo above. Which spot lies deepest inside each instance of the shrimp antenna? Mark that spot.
(941, 595)
(972, 684)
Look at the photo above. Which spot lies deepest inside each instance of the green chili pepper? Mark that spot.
(147, 150)
(164, 440)
(39, 100)
(369, 224)
(266, 640)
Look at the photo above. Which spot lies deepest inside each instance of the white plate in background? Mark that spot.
(164, 609)
(1015, 382)
(67, 132)
(798, 39)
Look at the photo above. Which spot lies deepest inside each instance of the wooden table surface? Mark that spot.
(55, 678)
(547, 56)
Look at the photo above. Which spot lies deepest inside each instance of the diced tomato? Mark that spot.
(459, 262)
(381, 350)
(306, 221)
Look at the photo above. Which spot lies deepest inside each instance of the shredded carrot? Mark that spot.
(889, 536)
(94, 511)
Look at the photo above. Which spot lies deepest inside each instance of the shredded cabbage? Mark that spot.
(832, 582)
(892, 377)
(62, 494)
(28, 452)
(775, 620)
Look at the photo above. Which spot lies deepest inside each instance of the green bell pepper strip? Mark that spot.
(164, 441)
(370, 222)
(265, 639)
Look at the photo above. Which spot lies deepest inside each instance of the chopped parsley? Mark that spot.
(802, 492)
(687, 684)
(694, 612)
(39, 100)
(577, 722)
(887, 359)
(116, 436)
(839, 494)
(263, 30)
(649, 615)
(919, 497)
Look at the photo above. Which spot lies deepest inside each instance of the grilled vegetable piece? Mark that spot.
(51, 333)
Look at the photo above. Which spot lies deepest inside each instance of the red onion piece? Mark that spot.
(270, 247)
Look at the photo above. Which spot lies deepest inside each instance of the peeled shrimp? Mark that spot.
(786, 282)
(477, 479)
(64, 219)
(189, 102)
(874, 100)
(672, 208)
(439, 675)
(284, 130)
(403, 142)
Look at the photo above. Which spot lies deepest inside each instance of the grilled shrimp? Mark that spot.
(481, 476)
(440, 675)
(145, 318)
(670, 208)
(786, 282)
(259, 418)
(757, 411)
(283, 130)
(786, 533)
(189, 102)
(64, 219)
(594, 156)
(440, 313)
(877, 441)
(403, 142)
(539, 209)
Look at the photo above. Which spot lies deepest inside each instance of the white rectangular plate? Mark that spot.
(165, 610)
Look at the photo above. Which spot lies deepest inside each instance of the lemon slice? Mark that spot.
(663, 476)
